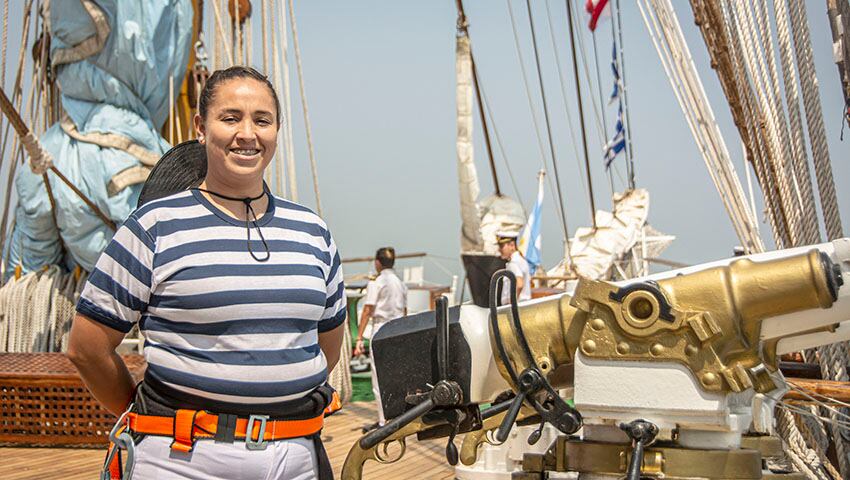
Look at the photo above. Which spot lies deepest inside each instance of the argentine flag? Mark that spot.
(529, 240)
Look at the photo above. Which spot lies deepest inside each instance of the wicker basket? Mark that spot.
(43, 402)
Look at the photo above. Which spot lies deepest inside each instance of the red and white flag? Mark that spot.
(597, 9)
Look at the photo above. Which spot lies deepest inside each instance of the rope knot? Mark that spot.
(40, 159)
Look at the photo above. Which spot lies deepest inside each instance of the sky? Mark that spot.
(380, 84)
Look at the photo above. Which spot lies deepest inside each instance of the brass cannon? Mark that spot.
(663, 371)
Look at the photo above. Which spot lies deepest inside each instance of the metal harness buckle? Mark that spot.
(121, 440)
(260, 443)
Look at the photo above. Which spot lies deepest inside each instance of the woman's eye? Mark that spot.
(228, 119)
(264, 122)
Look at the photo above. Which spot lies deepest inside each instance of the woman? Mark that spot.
(240, 297)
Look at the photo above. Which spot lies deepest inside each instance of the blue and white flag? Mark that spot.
(529, 240)
(618, 86)
(618, 142)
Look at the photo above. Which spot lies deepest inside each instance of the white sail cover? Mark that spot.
(498, 214)
(594, 252)
(470, 234)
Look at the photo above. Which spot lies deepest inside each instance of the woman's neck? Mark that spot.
(230, 189)
(236, 208)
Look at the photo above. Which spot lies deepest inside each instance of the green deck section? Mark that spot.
(361, 387)
(361, 383)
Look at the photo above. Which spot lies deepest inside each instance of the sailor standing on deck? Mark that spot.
(240, 298)
(516, 265)
(386, 299)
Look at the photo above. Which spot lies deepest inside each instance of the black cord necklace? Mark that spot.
(248, 210)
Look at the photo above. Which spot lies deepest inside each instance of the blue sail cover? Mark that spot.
(113, 61)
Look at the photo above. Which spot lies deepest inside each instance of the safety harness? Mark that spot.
(187, 426)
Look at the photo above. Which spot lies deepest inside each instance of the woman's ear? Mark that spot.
(199, 128)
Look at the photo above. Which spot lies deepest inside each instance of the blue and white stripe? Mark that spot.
(218, 325)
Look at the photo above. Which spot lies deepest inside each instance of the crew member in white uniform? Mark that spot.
(516, 265)
(386, 299)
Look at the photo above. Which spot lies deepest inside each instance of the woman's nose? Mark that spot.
(246, 131)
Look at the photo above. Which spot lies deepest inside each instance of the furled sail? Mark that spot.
(480, 221)
(111, 60)
(470, 237)
(594, 252)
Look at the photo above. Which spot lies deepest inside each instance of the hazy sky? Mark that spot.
(380, 79)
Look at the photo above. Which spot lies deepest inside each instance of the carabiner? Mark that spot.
(120, 439)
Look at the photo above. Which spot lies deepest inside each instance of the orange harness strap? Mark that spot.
(188, 425)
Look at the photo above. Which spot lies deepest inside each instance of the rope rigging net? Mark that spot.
(741, 41)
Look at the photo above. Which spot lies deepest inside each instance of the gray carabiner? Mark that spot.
(121, 441)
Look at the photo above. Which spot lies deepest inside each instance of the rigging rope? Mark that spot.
(543, 157)
(580, 108)
(313, 168)
(220, 35)
(281, 152)
(287, 103)
(741, 24)
(621, 64)
(5, 44)
(814, 119)
(502, 150)
(564, 224)
(800, 157)
(602, 105)
(664, 30)
(562, 83)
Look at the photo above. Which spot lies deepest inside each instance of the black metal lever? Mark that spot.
(642, 434)
(510, 417)
(441, 315)
(445, 393)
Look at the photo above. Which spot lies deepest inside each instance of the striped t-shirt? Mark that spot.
(222, 329)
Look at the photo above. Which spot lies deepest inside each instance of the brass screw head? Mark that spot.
(597, 324)
(588, 346)
(691, 350)
(623, 348)
(710, 379)
(656, 349)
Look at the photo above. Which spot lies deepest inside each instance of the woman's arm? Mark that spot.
(91, 349)
(331, 342)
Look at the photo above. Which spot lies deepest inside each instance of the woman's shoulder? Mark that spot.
(165, 207)
(295, 211)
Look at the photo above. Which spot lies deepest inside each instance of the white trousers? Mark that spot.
(293, 459)
(375, 391)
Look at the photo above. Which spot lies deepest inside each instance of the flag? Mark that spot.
(596, 8)
(618, 141)
(529, 240)
(618, 86)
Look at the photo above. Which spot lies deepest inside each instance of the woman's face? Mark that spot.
(239, 132)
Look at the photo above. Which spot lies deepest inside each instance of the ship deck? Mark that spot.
(423, 459)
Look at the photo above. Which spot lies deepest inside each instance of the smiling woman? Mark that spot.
(239, 337)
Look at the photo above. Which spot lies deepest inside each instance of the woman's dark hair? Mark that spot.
(385, 256)
(234, 72)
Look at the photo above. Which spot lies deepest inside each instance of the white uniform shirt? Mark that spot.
(519, 267)
(389, 296)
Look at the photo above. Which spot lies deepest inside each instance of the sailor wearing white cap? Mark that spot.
(516, 265)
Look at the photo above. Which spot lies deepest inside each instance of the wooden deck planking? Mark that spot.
(424, 460)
